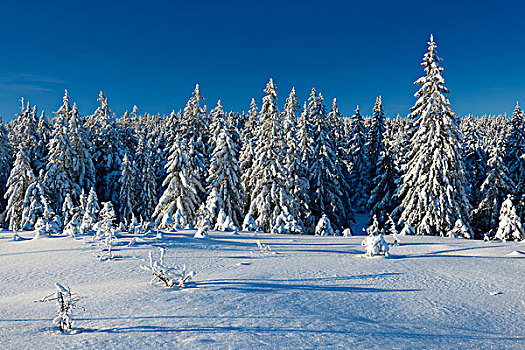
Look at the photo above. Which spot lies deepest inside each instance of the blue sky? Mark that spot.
(151, 53)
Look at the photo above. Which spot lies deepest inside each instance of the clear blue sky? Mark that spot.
(151, 53)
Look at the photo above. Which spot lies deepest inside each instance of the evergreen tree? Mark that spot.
(382, 200)
(515, 157)
(91, 210)
(68, 210)
(328, 189)
(181, 186)
(224, 178)
(58, 177)
(432, 189)
(510, 226)
(20, 178)
(358, 163)
(376, 144)
(82, 167)
(127, 198)
(194, 127)
(475, 159)
(495, 188)
(34, 204)
(107, 150)
(25, 133)
(297, 169)
(6, 161)
(148, 191)
(247, 154)
(269, 180)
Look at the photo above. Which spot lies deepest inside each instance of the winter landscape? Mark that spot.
(288, 224)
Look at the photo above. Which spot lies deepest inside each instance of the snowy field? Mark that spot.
(308, 293)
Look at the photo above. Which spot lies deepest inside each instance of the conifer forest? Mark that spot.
(281, 166)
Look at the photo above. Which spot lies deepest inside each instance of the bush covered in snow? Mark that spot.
(324, 227)
(66, 302)
(375, 245)
(165, 275)
(510, 226)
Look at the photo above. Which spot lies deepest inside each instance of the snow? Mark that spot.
(317, 292)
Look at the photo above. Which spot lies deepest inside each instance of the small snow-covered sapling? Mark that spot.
(164, 275)
(375, 245)
(324, 227)
(66, 302)
(263, 248)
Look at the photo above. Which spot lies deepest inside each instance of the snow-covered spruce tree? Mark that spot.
(270, 180)
(247, 153)
(20, 178)
(297, 169)
(383, 198)
(224, 177)
(432, 190)
(106, 225)
(107, 150)
(495, 188)
(376, 144)
(510, 227)
(68, 209)
(358, 163)
(324, 227)
(91, 210)
(475, 159)
(328, 187)
(515, 157)
(127, 198)
(47, 223)
(181, 186)
(82, 167)
(148, 194)
(194, 128)
(33, 205)
(217, 122)
(25, 134)
(6, 161)
(58, 176)
(336, 124)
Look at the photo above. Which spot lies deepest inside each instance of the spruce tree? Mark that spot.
(127, 199)
(20, 178)
(91, 210)
(297, 169)
(194, 127)
(59, 178)
(6, 162)
(359, 164)
(82, 167)
(107, 150)
(328, 189)
(475, 159)
(495, 188)
(432, 189)
(510, 227)
(383, 198)
(181, 185)
(269, 181)
(224, 177)
(376, 135)
(515, 157)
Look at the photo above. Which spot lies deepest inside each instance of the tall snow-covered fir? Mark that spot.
(270, 182)
(432, 190)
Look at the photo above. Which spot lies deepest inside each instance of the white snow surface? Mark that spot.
(313, 293)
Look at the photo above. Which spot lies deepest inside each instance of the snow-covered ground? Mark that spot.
(309, 292)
